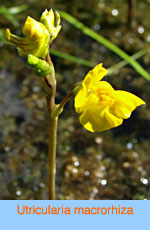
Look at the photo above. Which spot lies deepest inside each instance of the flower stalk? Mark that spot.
(52, 157)
(53, 113)
(49, 85)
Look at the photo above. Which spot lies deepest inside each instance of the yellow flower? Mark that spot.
(52, 22)
(36, 40)
(101, 106)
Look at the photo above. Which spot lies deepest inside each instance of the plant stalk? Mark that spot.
(52, 132)
(49, 84)
(52, 157)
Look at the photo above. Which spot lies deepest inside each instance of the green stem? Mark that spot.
(52, 132)
(49, 84)
(111, 70)
(52, 157)
(53, 113)
(72, 58)
(123, 63)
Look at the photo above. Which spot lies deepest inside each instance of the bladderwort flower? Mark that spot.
(101, 106)
(38, 35)
(35, 42)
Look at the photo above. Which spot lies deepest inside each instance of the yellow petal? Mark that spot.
(94, 75)
(104, 92)
(15, 39)
(84, 99)
(80, 99)
(124, 104)
(98, 119)
(38, 37)
(102, 85)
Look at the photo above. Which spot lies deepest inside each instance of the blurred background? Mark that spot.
(110, 165)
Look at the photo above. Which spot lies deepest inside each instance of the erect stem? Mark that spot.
(52, 157)
(52, 109)
(49, 84)
(52, 132)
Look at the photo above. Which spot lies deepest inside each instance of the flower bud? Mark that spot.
(42, 68)
(52, 22)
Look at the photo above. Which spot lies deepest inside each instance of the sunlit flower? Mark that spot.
(101, 106)
(36, 40)
(52, 22)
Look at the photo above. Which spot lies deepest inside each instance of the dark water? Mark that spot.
(110, 165)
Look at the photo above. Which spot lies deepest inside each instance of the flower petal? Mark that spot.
(80, 99)
(103, 85)
(99, 119)
(15, 39)
(94, 75)
(124, 104)
(38, 36)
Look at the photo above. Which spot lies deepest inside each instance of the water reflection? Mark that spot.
(115, 12)
(141, 30)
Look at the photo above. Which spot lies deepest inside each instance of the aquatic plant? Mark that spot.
(101, 107)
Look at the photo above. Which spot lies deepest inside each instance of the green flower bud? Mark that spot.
(52, 22)
(42, 68)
